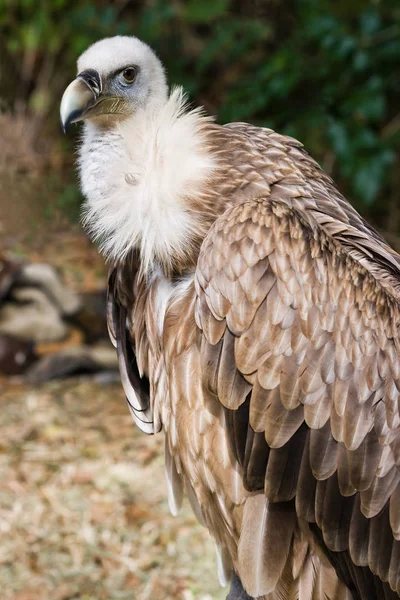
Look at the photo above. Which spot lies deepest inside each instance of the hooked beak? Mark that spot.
(80, 96)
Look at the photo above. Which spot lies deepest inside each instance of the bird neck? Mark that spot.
(145, 182)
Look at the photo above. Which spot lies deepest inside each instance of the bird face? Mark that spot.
(116, 78)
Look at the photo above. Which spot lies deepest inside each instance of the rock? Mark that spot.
(15, 355)
(9, 271)
(42, 319)
(71, 361)
(49, 281)
(30, 315)
(91, 317)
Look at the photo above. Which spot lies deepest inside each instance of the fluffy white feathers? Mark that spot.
(136, 176)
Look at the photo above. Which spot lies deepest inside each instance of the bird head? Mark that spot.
(116, 77)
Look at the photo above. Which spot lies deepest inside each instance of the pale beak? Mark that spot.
(81, 95)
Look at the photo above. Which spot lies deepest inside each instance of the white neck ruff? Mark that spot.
(137, 176)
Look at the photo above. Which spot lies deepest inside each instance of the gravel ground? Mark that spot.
(83, 509)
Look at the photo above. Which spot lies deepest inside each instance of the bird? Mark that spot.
(256, 319)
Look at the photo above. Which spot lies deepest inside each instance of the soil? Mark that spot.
(83, 502)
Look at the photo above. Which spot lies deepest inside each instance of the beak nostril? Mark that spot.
(92, 79)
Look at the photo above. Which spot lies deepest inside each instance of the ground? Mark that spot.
(83, 509)
(83, 501)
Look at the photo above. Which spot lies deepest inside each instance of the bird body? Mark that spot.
(256, 318)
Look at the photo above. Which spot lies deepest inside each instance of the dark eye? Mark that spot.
(129, 74)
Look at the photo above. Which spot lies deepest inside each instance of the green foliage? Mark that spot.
(324, 72)
(68, 200)
(203, 12)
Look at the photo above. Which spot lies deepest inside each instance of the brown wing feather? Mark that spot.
(304, 306)
(136, 385)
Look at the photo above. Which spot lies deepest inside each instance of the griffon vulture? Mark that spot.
(256, 318)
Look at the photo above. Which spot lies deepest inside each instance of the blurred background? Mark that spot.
(82, 507)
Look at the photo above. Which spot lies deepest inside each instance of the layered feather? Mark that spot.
(320, 351)
(276, 377)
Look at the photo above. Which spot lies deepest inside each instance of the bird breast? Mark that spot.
(140, 179)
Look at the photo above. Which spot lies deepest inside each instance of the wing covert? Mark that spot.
(303, 334)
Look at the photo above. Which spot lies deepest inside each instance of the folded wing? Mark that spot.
(301, 317)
